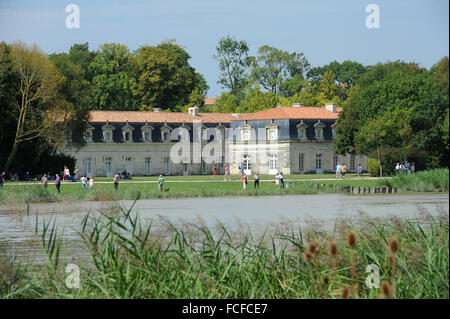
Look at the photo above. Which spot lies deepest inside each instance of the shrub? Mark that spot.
(373, 167)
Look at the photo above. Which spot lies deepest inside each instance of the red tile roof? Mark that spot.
(290, 112)
(158, 117)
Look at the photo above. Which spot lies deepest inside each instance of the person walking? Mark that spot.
(83, 181)
(338, 170)
(227, 173)
(343, 170)
(116, 182)
(244, 181)
(359, 171)
(91, 182)
(215, 170)
(277, 180)
(281, 180)
(2, 179)
(256, 179)
(408, 167)
(160, 183)
(44, 181)
(58, 183)
(413, 168)
(76, 172)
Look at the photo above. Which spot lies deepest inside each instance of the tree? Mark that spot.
(165, 78)
(255, 100)
(40, 106)
(328, 90)
(111, 77)
(226, 103)
(346, 74)
(234, 62)
(80, 55)
(386, 90)
(272, 67)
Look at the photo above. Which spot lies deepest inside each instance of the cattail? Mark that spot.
(345, 293)
(351, 240)
(391, 260)
(386, 289)
(313, 247)
(393, 245)
(308, 255)
(333, 249)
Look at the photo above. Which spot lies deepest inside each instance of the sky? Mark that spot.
(323, 30)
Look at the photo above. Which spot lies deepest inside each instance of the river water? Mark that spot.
(324, 210)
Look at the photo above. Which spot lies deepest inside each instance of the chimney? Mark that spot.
(156, 109)
(297, 104)
(331, 107)
(193, 111)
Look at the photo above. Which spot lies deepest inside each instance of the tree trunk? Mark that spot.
(11, 156)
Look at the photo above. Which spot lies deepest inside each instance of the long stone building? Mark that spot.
(293, 140)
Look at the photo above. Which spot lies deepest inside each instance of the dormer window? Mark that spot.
(127, 132)
(184, 132)
(165, 133)
(220, 132)
(301, 130)
(333, 129)
(88, 133)
(146, 132)
(108, 132)
(318, 127)
(272, 132)
(245, 132)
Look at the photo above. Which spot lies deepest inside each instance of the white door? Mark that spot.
(247, 165)
(148, 170)
(185, 169)
(128, 165)
(108, 166)
(273, 164)
(88, 166)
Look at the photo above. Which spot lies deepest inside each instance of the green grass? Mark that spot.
(425, 181)
(131, 259)
(208, 186)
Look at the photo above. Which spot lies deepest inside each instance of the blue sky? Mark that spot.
(324, 30)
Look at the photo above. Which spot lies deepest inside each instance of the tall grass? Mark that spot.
(133, 259)
(425, 181)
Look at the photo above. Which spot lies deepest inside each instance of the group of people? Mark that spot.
(279, 180)
(341, 170)
(405, 168)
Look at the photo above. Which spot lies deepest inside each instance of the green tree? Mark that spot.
(165, 78)
(40, 109)
(234, 62)
(272, 67)
(112, 79)
(226, 103)
(255, 100)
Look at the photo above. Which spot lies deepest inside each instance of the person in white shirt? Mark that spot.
(91, 182)
(83, 181)
(338, 170)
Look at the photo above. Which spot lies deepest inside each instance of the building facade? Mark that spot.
(293, 140)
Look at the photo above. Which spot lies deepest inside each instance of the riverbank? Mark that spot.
(207, 186)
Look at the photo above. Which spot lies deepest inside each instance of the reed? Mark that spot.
(127, 257)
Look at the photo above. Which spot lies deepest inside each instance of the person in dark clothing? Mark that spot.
(58, 183)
